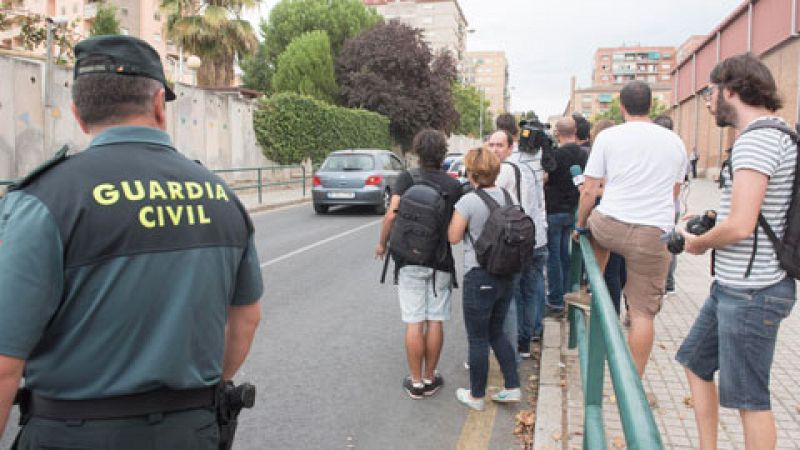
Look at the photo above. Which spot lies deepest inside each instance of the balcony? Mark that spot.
(90, 10)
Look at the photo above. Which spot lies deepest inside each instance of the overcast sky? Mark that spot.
(548, 41)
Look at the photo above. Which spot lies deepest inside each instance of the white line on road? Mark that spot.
(318, 243)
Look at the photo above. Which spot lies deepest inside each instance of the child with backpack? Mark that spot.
(498, 241)
(415, 232)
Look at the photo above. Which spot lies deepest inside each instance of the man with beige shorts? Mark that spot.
(637, 167)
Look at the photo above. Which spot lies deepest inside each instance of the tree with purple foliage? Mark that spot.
(390, 70)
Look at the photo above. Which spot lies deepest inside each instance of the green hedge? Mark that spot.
(290, 128)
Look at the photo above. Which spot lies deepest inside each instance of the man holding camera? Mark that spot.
(529, 293)
(639, 167)
(736, 330)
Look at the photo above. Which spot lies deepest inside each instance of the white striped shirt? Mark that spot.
(772, 153)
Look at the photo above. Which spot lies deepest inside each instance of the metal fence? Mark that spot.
(258, 183)
(603, 341)
(262, 185)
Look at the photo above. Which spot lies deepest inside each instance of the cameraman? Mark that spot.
(737, 327)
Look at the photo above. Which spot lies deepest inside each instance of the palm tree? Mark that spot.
(214, 31)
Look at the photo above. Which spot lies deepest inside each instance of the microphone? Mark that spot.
(577, 175)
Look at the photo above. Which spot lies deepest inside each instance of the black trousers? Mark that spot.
(185, 430)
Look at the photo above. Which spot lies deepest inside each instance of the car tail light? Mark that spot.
(316, 181)
(453, 174)
(373, 180)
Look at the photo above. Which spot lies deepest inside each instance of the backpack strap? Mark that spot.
(518, 175)
(488, 200)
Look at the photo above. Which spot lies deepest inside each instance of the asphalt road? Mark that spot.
(328, 359)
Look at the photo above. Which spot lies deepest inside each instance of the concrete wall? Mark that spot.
(214, 127)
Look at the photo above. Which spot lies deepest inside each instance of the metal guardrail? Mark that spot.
(603, 341)
(260, 184)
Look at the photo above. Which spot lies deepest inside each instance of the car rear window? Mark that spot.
(342, 163)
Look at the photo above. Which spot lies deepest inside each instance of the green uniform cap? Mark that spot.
(119, 54)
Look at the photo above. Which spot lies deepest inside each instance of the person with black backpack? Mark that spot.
(755, 257)
(498, 242)
(415, 233)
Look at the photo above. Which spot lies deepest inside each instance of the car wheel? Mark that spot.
(320, 209)
(384, 205)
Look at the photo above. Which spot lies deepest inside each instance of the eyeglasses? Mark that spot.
(708, 92)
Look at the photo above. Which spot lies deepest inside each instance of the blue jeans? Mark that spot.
(530, 298)
(559, 230)
(486, 302)
(615, 275)
(735, 333)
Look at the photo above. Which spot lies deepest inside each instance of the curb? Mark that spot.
(268, 207)
(548, 431)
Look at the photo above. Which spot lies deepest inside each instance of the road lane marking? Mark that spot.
(477, 431)
(318, 243)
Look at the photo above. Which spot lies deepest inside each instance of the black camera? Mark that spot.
(533, 136)
(697, 225)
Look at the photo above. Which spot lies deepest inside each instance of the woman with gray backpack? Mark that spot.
(498, 240)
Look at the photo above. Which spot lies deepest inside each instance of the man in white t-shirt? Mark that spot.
(638, 166)
(737, 328)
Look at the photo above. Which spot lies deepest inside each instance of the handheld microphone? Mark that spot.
(577, 175)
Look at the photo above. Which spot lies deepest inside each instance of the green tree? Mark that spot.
(306, 67)
(389, 69)
(614, 113)
(214, 31)
(340, 19)
(467, 100)
(105, 22)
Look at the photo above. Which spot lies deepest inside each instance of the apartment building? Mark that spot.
(488, 71)
(618, 65)
(597, 99)
(140, 18)
(442, 22)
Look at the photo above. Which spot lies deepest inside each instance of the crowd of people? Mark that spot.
(628, 203)
(98, 317)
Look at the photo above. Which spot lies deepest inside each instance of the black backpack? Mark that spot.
(788, 247)
(419, 231)
(508, 237)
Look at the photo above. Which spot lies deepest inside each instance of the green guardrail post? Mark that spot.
(606, 340)
(259, 185)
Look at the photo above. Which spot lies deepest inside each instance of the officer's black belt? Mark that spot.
(153, 402)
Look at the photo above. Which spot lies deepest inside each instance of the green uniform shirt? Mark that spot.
(117, 267)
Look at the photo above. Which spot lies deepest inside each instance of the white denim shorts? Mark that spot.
(417, 300)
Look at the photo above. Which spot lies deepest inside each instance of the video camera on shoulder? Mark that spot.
(697, 225)
(533, 136)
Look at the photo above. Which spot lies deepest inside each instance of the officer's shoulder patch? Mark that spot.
(59, 157)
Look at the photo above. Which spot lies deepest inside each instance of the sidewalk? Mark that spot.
(273, 197)
(665, 379)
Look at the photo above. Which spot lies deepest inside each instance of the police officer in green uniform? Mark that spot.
(129, 281)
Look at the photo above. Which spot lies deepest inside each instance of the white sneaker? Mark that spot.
(466, 365)
(508, 396)
(473, 403)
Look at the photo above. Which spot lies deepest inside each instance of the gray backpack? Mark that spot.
(508, 237)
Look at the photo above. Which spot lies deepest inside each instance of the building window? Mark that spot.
(123, 11)
(157, 16)
(665, 66)
(664, 77)
(604, 78)
(156, 37)
(427, 20)
(124, 31)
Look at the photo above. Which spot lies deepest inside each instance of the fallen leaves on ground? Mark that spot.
(618, 442)
(662, 346)
(612, 399)
(688, 401)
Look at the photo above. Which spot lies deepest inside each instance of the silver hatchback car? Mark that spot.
(356, 177)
